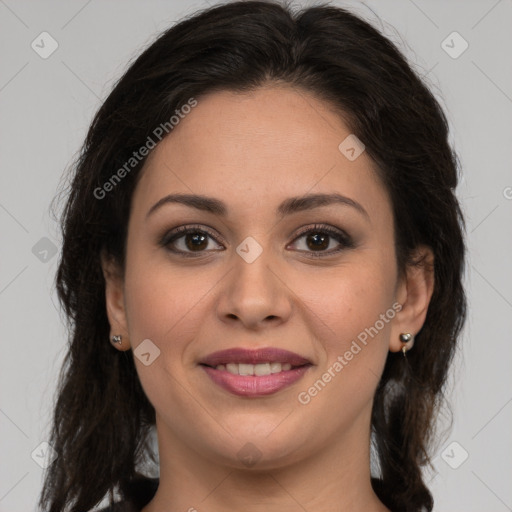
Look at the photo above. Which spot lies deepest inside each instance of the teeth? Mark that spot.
(254, 369)
(275, 367)
(262, 369)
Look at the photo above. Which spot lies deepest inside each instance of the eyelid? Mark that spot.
(176, 233)
(343, 238)
(321, 227)
(338, 234)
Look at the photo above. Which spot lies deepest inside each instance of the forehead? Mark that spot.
(265, 145)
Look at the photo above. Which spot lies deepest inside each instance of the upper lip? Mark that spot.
(255, 356)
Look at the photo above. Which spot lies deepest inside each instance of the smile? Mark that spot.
(254, 369)
(254, 372)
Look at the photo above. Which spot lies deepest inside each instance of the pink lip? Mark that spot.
(252, 385)
(261, 355)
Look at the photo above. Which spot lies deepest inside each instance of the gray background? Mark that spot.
(46, 106)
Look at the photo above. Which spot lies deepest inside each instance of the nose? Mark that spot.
(254, 295)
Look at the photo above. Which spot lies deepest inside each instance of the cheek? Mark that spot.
(162, 302)
(345, 300)
(167, 307)
(350, 313)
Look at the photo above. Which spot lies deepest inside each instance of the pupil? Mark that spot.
(195, 241)
(318, 241)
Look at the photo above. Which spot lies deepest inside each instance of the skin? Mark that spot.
(252, 151)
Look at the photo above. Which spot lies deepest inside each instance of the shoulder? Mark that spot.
(137, 494)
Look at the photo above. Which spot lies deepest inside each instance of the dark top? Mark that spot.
(141, 492)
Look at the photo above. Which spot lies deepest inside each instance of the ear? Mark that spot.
(114, 298)
(414, 292)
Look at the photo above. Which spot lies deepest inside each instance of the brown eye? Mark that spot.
(322, 240)
(187, 240)
(317, 241)
(196, 241)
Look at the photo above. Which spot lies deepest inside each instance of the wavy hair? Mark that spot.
(102, 417)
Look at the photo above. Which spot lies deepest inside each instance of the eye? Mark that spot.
(186, 240)
(322, 240)
(318, 240)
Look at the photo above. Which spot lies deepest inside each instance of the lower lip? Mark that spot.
(252, 385)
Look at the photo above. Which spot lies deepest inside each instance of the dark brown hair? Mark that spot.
(101, 416)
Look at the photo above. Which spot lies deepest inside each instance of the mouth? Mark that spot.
(253, 373)
(259, 370)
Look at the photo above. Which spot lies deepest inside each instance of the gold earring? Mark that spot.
(405, 337)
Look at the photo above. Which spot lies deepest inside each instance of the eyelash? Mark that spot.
(341, 237)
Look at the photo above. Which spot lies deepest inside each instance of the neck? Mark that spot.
(334, 479)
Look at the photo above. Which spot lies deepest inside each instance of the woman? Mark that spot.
(262, 258)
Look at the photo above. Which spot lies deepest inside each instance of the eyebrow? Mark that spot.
(287, 207)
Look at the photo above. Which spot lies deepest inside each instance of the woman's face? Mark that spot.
(249, 278)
